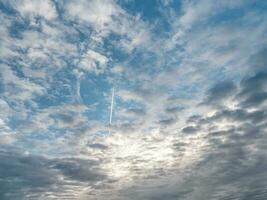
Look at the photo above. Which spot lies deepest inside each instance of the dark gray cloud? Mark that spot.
(219, 93)
(253, 90)
(80, 170)
(174, 109)
(66, 118)
(239, 115)
(167, 121)
(193, 119)
(258, 61)
(23, 175)
(190, 129)
(21, 172)
(98, 146)
(234, 165)
(136, 111)
(179, 146)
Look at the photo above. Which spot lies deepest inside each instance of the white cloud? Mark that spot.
(107, 17)
(6, 134)
(93, 61)
(19, 88)
(5, 109)
(97, 13)
(33, 8)
(118, 69)
(7, 138)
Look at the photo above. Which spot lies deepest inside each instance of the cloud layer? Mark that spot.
(190, 80)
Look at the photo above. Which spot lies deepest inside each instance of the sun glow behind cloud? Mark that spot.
(132, 156)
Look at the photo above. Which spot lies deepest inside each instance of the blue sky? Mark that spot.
(189, 114)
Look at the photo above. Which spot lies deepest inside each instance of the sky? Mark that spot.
(189, 118)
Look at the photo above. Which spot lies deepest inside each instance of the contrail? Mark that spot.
(111, 110)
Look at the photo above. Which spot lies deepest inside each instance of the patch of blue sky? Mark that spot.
(147, 9)
(110, 44)
(233, 15)
(7, 9)
(15, 122)
(55, 96)
(184, 91)
(16, 68)
(2, 87)
(143, 62)
(77, 37)
(150, 12)
(131, 104)
(93, 90)
(259, 6)
(18, 27)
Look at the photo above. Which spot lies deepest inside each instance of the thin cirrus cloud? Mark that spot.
(189, 115)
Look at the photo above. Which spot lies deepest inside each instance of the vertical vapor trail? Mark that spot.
(111, 109)
(77, 96)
